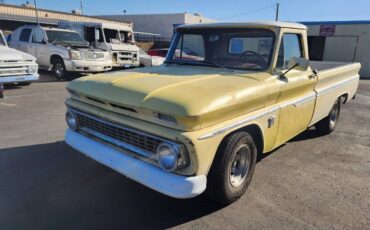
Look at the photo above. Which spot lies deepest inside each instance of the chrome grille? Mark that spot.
(91, 55)
(121, 133)
(13, 70)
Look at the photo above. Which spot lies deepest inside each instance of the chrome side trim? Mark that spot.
(300, 101)
(335, 86)
(296, 103)
(237, 124)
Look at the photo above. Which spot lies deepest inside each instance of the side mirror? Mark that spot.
(301, 64)
(44, 41)
(97, 35)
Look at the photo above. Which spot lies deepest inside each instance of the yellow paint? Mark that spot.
(205, 100)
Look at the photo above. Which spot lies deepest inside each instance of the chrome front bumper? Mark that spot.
(85, 66)
(19, 78)
(170, 184)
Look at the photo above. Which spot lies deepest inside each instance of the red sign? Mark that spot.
(327, 30)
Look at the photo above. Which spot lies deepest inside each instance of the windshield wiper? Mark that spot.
(218, 65)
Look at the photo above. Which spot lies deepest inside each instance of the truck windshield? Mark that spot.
(244, 49)
(126, 36)
(70, 38)
(112, 36)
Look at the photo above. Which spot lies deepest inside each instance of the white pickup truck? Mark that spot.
(15, 66)
(60, 50)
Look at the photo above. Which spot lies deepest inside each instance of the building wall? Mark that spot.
(17, 12)
(162, 24)
(350, 43)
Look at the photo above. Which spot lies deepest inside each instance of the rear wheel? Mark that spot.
(328, 124)
(59, 68)
(233, 168)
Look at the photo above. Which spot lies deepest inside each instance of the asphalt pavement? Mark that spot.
(312, 182)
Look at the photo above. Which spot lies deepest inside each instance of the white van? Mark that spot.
(115, 38)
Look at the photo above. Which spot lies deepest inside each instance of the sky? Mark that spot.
(222, 10)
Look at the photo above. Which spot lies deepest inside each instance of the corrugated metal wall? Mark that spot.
(351, 42)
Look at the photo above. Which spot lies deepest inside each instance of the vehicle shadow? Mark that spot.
(51, 186)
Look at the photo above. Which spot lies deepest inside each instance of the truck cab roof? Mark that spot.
(250, 24)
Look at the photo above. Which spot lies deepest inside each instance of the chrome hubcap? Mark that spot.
(58, 68)
(334, 114)
(240, 165)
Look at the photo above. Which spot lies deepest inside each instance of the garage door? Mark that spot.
(340, 49)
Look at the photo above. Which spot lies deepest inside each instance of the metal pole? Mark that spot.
(37, 13)
(277, 12)
(82, 9)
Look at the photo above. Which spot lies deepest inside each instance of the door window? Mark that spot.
(190, 47)
(291, 46)
(25, 35)
(38, 36)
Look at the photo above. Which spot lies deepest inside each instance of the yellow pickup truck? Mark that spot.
(226, 93)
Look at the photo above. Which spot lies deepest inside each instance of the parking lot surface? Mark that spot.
(311, 182)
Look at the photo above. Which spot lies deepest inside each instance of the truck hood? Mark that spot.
(181, 91)
(9, 54)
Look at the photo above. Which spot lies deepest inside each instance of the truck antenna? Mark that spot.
(37, 13)
(277, 12)
(82, 8)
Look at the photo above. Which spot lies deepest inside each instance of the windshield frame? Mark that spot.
(206, 62)
(72, 43)
(2, 40)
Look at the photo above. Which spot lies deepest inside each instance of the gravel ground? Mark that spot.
(312, 182)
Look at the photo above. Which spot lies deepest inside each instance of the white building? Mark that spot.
(347, 41)
(162, 24)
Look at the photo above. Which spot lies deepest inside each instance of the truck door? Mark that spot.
(38, 47)
(24, 40)
(297, 96)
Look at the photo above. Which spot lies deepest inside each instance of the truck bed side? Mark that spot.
(335, 79)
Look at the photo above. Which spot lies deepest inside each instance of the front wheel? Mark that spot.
(59, 68)
(327, 125)
(233, 168)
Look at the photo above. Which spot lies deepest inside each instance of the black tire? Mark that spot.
(223, 185)
(59, 68)
(24, 83)
(328, 124)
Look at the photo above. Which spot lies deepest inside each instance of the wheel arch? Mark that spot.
(344, 98)
(255, 131)
(55, 56)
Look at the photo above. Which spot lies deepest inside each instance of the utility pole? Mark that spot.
(37, 13)
(82, 9)
(277, 12)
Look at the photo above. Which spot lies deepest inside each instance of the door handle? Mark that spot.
(312, 76)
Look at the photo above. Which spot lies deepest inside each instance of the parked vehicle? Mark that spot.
(16, 67)
(158, 52)
(59, 50)
(147, 60)
(115, 38)
(196, 124)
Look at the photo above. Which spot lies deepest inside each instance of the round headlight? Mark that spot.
(167, 156)
(71, 120)
(32, 69)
